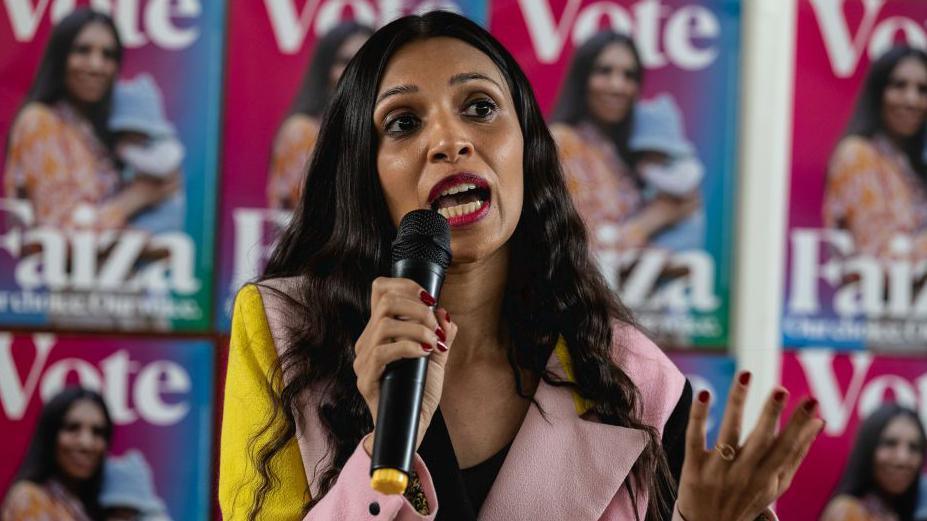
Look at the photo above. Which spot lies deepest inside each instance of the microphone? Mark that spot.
(421, 252)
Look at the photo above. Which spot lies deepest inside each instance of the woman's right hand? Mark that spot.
(402, 325)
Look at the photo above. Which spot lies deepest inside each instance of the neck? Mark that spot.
(472, 294)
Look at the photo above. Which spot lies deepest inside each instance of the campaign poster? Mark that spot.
(274, 98)
(107, 205)
(665, 151)
(159, 394)
(849, 387)
(712, 373)
(857, 216)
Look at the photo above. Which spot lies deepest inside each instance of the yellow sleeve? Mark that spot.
(248, 405)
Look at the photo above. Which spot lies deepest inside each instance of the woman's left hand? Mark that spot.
(734, 482)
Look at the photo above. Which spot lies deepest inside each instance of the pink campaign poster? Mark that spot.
(159, 394)
(857, 229)
(849, 387)
(683, 108)
(293, 49)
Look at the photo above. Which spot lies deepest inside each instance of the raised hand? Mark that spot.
(734, 482)
(402, 325)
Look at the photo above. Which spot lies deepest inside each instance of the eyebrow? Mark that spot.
(456, 79)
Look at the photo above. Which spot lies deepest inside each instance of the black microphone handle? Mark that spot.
(403, 385)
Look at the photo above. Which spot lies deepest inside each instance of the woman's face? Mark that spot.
(899, 456)
(904, 101)
(613, 84)
(81, 440)
(449, 140)
(91, 65)
(347, 51)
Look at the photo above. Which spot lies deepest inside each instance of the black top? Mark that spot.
(479, 478)
(461, 492)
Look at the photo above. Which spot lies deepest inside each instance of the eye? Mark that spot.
(483, 108)
(401, 125)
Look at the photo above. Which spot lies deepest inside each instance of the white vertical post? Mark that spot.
(767, 67)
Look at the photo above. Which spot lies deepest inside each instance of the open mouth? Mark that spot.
(461, 198)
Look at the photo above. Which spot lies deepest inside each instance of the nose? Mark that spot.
(449, 142)
(913, 95)
(620, 81)
(86, 439)
(97, 61)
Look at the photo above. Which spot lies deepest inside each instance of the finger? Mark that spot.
(790, 437)
(393, 305)
(369, 369)
(447, 326)
(391, 329)
(696, 430)
(385, 354)
(809, 433)
(734, 411)
(383, 285)
(764, 434)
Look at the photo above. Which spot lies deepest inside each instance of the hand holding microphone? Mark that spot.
(401, 355)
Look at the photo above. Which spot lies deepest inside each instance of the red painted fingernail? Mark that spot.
(703, 396)
(810, 405)
(440, 333)
(744, 378)
(779, 396)
(426, 298)
(442, 347)
(447, 315)
(427, 347)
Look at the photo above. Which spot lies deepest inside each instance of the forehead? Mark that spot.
(85, 411)
(616, 53)
(901, 426)
(910, 66)
(436, 59)
(95, 32)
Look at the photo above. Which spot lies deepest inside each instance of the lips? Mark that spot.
(461, 198)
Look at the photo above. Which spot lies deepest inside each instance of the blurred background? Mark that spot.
(762, 205)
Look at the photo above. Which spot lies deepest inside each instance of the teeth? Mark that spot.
(458, 189)
(460, 209)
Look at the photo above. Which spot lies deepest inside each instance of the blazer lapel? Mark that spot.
(561, 466)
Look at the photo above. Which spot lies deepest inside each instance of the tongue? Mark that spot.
(448, 201)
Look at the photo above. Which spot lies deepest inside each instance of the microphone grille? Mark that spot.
(423, 235)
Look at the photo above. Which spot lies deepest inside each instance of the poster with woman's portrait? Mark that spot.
(642, 101)
(284, 60)
(857, 229)
(713, 373)
(126, 423)
(109, 119)
(863, 442)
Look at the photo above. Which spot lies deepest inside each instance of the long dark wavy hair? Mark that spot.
(572, 107)
(866, 120)
(316, 89)
(858, 477)
(336, 255)
(48, 86)
(40, 464)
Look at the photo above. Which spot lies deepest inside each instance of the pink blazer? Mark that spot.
(564, 467)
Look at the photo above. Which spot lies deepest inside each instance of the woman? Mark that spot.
(58, 154)
(61, 475)
(593, 123)
(882, 476)
(539, 368)
(876, 180)
(298, 133)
